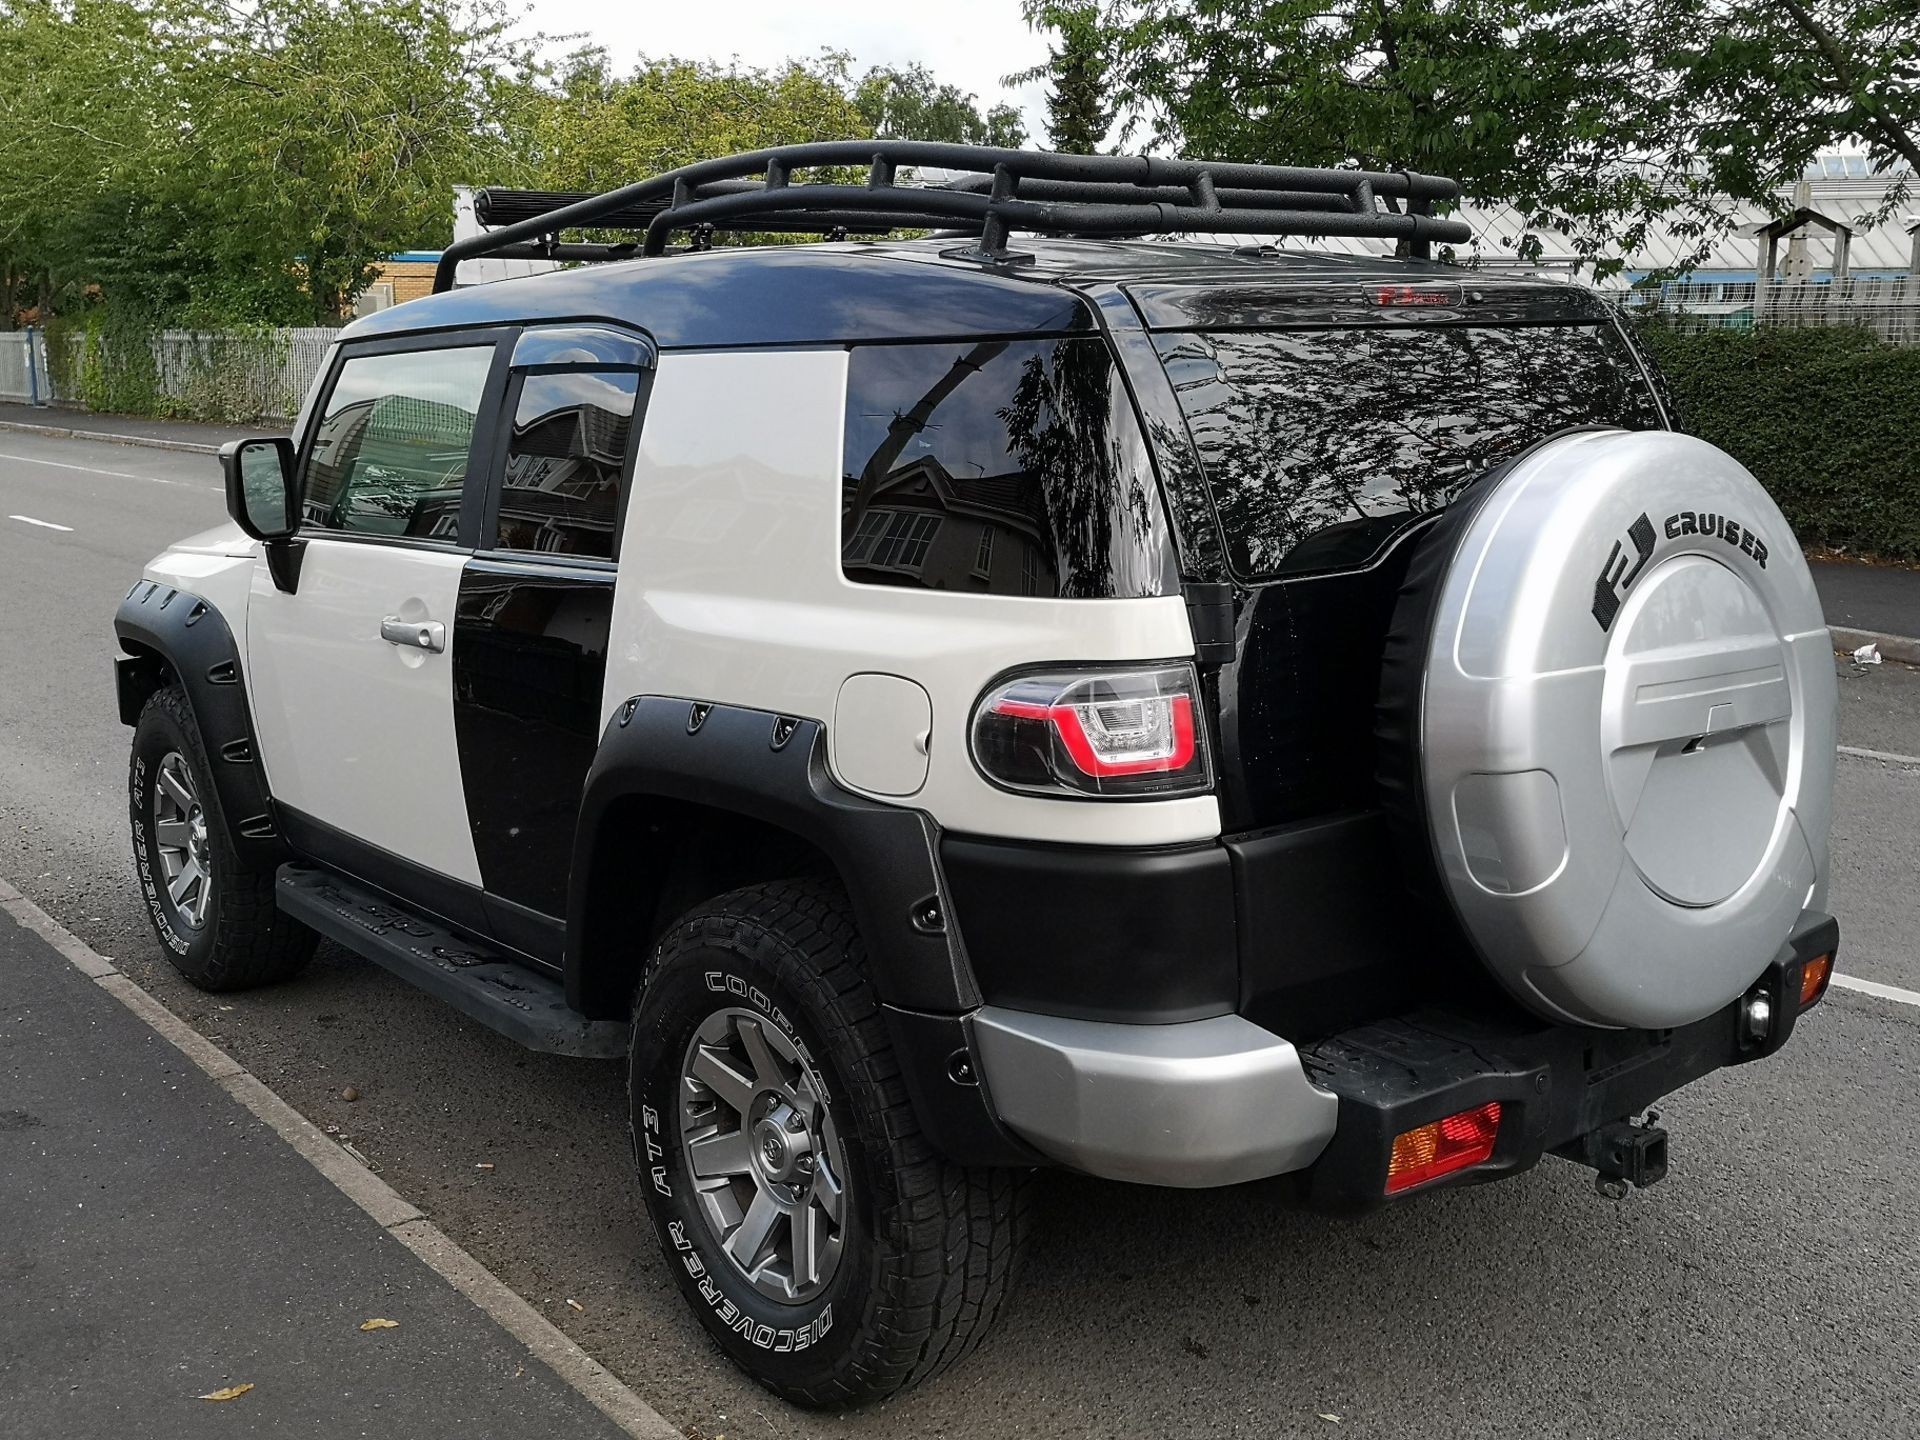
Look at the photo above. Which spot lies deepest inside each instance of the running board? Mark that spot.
(520, 1003)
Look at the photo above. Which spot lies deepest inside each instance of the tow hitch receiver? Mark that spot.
(1623, 1153)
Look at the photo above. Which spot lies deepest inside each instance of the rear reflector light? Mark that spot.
(1110, 733)
(1455, 1143)
(1814, 976)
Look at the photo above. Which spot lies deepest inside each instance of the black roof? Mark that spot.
(905, 290)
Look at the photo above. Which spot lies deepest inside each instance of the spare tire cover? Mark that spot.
(1625, 726)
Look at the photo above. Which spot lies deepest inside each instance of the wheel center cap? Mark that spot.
(780, 1140)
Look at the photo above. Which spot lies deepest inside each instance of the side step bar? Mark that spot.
(520, 1003)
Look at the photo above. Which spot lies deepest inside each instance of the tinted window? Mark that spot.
(1320, 445)
(566, 462)
(1010, 467)
(390, 453)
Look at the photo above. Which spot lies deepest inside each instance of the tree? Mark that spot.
(1586, 116)
(1078, 116)
(588, 129)
(209, 162)
(1776, 83)
(909, 104)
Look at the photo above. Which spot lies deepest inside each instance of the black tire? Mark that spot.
(242, 940)
(929, 1248)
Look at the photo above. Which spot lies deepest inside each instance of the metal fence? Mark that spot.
(23, 367)
(1888, 307)
(244, 377)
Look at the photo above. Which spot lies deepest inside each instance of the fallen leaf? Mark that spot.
(232, 1392)
(380, 1325)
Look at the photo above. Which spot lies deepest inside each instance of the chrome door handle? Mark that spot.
(421, 634)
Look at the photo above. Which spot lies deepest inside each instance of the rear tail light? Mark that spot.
(1814, 976)
(1455, 1143)
(1108, 733)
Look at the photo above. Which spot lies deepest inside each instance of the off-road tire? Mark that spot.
(244, 940)
(932, 1247)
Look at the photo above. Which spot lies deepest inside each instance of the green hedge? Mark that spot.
(1828, 419)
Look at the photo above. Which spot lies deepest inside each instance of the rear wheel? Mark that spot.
(829, 1251)
(213, 913)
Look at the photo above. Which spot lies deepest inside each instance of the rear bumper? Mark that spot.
(1197, 1103)
(1221, 1100)
(1555, 1084)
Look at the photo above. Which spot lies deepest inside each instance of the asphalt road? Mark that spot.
(1768, 1287)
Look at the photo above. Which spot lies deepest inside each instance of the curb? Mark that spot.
(387, 1207)
(151, 442)
(1904, 648)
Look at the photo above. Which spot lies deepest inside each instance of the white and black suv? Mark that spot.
(1027, 697)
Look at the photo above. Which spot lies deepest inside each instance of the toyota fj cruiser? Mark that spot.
(1030, 696)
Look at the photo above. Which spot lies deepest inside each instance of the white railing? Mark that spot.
(1888, 307)
(258, 376)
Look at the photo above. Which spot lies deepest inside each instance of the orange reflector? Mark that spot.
(1443, 1147)
(1814, 976)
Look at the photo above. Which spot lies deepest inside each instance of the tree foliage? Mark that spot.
(192, 158)
(1078, 113)
(1586, 115)
(908, 103)
(200, 163)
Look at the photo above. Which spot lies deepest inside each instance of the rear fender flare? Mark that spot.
(772, 769)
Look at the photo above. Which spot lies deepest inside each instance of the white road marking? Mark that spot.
(1877, 990)
(1886, 757)
(96, 470)
(43, 524)
(398, 1217)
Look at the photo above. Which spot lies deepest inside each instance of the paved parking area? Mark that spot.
(1768, 1287)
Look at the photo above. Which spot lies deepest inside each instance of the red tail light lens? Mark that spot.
(1109, 733)
(1455, 1143)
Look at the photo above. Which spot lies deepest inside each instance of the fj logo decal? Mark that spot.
(1615, 579)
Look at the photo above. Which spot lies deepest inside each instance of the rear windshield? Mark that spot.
(1321, 445)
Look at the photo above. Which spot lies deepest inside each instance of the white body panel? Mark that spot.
(731, 590)
(355, 731)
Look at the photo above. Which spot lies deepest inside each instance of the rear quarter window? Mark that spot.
(1320, 446)
(1004, 467)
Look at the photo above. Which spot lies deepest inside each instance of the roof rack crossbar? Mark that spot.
(1000, 192)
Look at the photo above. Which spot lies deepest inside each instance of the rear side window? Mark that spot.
(1004, 467)
(567, 462)
(390, 452)
(1321, 445)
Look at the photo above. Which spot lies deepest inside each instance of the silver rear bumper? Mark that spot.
(1194, 1104)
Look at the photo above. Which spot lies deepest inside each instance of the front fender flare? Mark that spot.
(186, 634)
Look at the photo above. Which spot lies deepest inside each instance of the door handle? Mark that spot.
(421, 634)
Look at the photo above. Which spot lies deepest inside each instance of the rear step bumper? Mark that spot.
(520, 1003)
(1556, 1086)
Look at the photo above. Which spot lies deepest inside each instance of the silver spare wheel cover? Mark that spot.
(1628, 730)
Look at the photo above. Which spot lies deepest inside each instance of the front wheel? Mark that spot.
(213, 913)
(829, 1251)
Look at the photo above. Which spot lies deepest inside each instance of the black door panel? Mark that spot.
(529, 660)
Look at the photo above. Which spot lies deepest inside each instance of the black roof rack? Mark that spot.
(1001, 191)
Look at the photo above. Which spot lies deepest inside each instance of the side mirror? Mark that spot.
(260, 498)
(262, 501)
(259, 476)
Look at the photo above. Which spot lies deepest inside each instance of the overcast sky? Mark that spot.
(969, 43)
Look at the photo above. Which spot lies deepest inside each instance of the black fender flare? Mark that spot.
(163, 627)
(772, 768)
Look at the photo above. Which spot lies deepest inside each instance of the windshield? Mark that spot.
(1321, 445)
